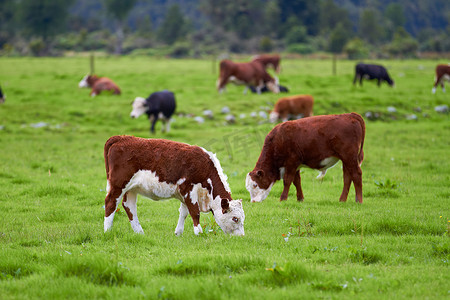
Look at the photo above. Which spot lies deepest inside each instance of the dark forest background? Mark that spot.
(195, 28)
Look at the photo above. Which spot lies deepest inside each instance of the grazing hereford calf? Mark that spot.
(317, 142)
(372, 72)
(158, 105)
(2, 98)
(98, 84)
(161, 169)
(298, 106)
(442, 73)
(252, 73)
(269, 60)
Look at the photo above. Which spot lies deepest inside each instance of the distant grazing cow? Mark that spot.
(367, 71)
(269, 60)
(265, 89)
(158, 105)
(161, 169)
(98, 84)
(252, 73)
(317, 142)
(2, 97)
(298, 106)
(442, 73)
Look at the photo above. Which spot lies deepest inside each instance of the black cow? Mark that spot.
(372, 72)
(158, 105)
(2, 98)
(283, 89)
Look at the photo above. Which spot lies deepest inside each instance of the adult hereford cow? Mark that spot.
(250, 74)
(367, 71)
(159, 105)
(269, 60)
(442, 73)
(98, 84)
(297, 106)
(317, 142)
(161, 169)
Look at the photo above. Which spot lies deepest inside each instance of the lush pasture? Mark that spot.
(52, 185)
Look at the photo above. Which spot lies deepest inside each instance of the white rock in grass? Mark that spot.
(253, 114)
(242, 116)
(225, 110)
(230, 119)
(199, 120)
(412, 117)
(443, 109)
(208, 114)
(263, 114)
(391, 109)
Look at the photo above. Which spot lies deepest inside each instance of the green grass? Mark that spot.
(52, 184)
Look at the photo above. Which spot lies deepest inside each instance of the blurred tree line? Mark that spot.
(357, 28)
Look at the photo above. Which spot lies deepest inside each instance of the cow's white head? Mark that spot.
(258, 185)
(231, 217)
(139, 107)
(273, 116)
(84, 82)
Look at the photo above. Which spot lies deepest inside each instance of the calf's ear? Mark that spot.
(225, 205)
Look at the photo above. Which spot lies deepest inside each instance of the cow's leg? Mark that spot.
(111, 202)
(356, 175)
(288, 178)
(163, 127)
(168, 121)
(129, 204)
(182, 217)
(298, 185)
(379, 82)
(354, 79)
(436, 83)
(347, 182)
(360, 79)
(192, 206)
(155, 118)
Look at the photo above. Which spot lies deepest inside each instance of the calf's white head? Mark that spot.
(139, 107)
(231, 217)
(84, 83)
(258, 185)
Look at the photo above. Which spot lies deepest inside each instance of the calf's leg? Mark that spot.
(288, 178)
(298, 185)
(129, 204)
(111, 202)
(356, 175)
(347, 182)
(182, 217)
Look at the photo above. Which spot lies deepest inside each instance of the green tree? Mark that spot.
(331, 15)
(338, 38)
(44, 18)
(307, 12)
(173, 27)
(119, 10)
(394, 13)
(369, 28)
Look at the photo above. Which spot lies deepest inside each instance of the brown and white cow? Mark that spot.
(98, 84)
(162, 169)
(269, 60)
(250, 74)
(297, 106)
(442, 73)
(316, 142)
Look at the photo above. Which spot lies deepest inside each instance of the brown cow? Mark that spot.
(298, 106)
(250, 74)
(442, 73)
(269, 60)
(161, 169)
(317, 142)
(98, 84)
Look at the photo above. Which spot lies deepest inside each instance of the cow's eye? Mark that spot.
(235, 219)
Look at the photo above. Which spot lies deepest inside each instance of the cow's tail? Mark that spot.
(111, 141)
(363, 128)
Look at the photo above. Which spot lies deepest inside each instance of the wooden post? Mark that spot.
(334, 64)
(92, 64)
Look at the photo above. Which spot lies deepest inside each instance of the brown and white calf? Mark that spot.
(298, 106)
(249, 74)
(317, 142)
(161, 169)
(98, 84)
(442, 73)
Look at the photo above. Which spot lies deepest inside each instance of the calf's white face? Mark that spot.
(232, 221)
(273, 117)
(83, 83)
(257, 194)
(139, 107)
